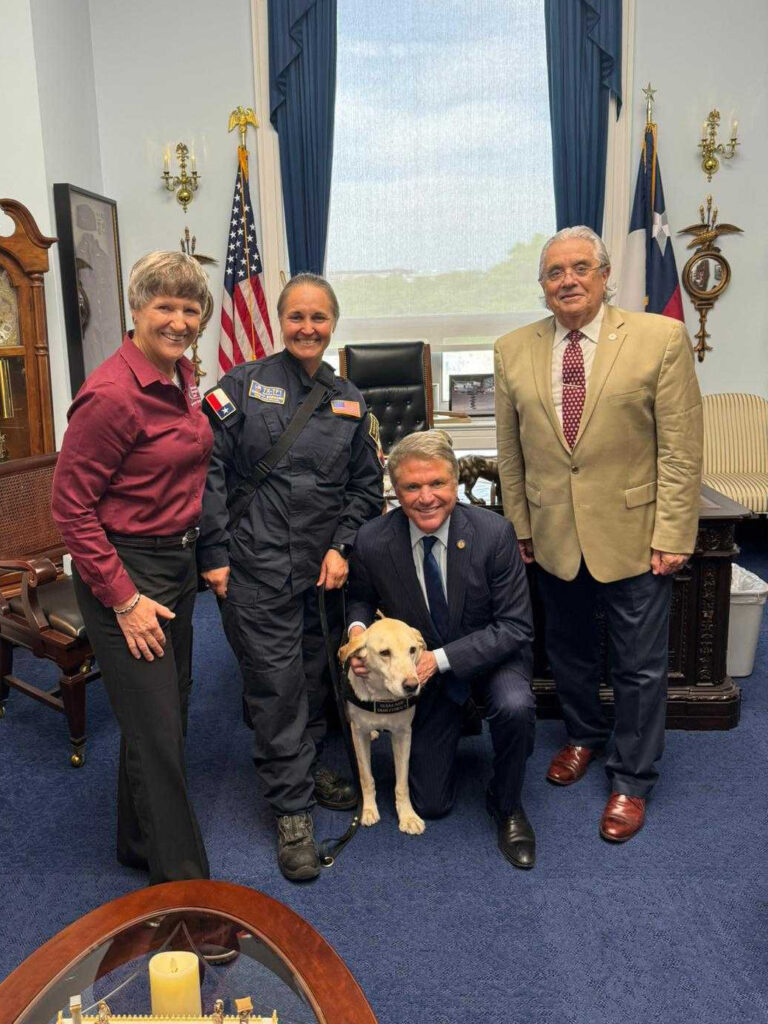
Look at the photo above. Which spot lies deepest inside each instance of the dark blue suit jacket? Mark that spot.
(488, 599)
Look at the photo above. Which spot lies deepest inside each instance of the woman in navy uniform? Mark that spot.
(294, 536)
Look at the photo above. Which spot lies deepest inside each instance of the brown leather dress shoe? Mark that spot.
(569, 764)
(622, 818)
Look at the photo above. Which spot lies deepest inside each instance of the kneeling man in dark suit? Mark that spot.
(453, 572)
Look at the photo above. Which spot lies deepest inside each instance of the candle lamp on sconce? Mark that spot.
(183, 184)
(711, 148)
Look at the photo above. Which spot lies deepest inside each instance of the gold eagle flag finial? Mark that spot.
(240, 118)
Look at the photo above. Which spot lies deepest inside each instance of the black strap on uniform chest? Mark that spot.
(240, 498)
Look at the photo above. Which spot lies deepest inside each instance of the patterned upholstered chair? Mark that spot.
(736, 448)
(38, 609)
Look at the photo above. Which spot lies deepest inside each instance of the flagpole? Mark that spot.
(650, 127)
(240, 118)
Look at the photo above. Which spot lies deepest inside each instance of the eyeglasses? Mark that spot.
(579, 270)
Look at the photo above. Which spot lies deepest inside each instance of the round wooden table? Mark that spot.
(273, 954)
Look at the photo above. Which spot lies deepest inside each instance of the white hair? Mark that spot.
(588, 235)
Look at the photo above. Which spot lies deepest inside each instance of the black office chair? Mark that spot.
(395, 379)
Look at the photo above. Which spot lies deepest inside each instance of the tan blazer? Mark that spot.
(633, 479)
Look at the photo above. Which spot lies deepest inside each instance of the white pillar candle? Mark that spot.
(174, 982)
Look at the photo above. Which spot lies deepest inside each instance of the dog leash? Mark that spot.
(329, 849)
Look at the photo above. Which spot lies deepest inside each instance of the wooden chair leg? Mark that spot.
(6, 668)
(73, 699)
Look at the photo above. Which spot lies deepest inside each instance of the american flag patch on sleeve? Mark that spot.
(342, 408)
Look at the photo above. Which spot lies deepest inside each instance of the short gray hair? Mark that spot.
(586, 234)
(318, 282)
(424, 444)
(166, 273)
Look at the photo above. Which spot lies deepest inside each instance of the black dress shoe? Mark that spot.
(517, 840)
(332, 790)
(296, 850)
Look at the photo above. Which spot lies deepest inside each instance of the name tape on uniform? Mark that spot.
(221, 403)
(266, 394)
(342, 408)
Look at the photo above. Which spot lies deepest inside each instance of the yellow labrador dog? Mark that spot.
(384, 700)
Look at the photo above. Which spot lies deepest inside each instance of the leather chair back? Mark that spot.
(395, 379)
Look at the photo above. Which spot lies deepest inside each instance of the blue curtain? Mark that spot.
(302, 91)
(584, 68)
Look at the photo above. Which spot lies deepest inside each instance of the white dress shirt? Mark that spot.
(440, 551)
(589, 336)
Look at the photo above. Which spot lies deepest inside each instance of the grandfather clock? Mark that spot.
(26, 409)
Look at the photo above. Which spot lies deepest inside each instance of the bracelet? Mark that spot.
(130, 607)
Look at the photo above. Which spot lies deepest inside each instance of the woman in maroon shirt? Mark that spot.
(127, 498)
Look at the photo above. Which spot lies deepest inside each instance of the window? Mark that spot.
(442, 174)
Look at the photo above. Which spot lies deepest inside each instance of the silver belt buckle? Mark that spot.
(190, 536)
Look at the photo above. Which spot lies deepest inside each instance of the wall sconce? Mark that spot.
(184, 185)
(709, 145)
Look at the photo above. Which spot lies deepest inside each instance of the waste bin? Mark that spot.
(748, 594)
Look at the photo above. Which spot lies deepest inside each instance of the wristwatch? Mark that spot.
(345, 550)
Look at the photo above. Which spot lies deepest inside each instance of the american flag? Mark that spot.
(245, 329)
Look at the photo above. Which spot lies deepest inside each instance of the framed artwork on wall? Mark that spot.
(472, 394)
(91, 278)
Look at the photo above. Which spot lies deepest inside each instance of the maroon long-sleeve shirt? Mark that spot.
(133, 461)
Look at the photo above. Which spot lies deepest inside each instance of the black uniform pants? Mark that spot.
(510, 711)
(637, 619)
(278, 640)
(156, 824)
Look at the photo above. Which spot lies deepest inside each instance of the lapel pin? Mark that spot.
(461, 544)
(612, 336)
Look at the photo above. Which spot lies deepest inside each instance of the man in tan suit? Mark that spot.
(599, 435)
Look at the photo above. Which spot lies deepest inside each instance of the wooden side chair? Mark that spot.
(38, 610)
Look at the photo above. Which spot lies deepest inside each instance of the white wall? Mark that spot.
(701, 56)
(33, 81)
(69, 126)
(166, 74)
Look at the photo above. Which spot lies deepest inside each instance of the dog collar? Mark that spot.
(380, 707)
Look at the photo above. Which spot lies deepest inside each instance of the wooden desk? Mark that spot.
(701, 694)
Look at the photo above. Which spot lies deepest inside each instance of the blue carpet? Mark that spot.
(668, 928)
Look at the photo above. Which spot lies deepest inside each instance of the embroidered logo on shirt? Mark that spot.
(266, 394)
(342, 408)
(221, 403)
(193, 393)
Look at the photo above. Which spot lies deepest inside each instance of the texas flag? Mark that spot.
(650, 280)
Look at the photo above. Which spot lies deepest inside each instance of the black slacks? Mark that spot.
(637, 619)
(156, 824)
(277, 638)
(510, 711)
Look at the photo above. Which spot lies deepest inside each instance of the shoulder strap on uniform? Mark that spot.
(240, 498)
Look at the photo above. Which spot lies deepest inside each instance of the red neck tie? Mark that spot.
(574, 386)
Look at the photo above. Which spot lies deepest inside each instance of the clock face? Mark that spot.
(9, 312)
